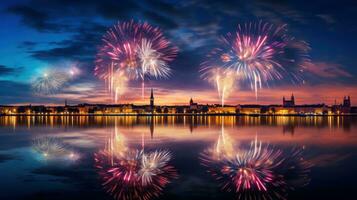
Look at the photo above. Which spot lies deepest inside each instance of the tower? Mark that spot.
(191, 101)
(152, 99)
(292, 99)
(289, 103)
(347, 101)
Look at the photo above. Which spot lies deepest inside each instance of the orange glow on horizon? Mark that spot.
(303, 95)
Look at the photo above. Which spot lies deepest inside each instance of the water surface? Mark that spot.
(70, 157)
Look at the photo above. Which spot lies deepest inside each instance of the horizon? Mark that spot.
(182, 104)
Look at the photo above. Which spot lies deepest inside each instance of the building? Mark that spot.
(219, 109)
(289, 103)
(344, 108)
(249, 109)
(193, 106)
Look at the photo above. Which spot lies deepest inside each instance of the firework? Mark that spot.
(137, 49)
(73, 71)
(50, 82)
(223, 80)
(259, 172)
(154, 164)
(131, 173)
(151, 62)
(260, 53)
(51, 148)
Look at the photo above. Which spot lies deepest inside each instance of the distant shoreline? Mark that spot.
(186, 114)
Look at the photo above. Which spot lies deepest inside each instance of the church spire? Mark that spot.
(152, 100)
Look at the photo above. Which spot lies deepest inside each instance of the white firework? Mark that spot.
(151, 62)
(152, 165)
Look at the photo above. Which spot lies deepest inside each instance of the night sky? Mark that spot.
(39, 34)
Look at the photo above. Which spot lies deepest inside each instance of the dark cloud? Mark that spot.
(12, 92)
(5, 70)
(27, 45)
(163, 21)
(81, 46)
(5, 157)
(34, 18)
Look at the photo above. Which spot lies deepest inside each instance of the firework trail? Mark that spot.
(224, 80)
(132, 174)
(259, 172)
(260, 53)
(139, 50)
(119, 84)
(52, 148)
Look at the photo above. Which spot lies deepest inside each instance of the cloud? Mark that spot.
(34, 18)
(5, 70)
(6, 157)
(327, 70)
(81, 47)
(28, 45)
(327, 18)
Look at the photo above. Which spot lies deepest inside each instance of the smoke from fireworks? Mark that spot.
(131, 173)
(260, 53)
(259, 172)
(139, 50)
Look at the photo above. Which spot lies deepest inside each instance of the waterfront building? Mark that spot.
(288, 107)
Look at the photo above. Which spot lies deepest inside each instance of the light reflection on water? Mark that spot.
(64, 158)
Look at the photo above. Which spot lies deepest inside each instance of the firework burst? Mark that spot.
(137, 49)
(50, 82)
(259, 172)
(133, 174)
(260, 53)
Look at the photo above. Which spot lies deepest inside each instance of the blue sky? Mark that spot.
(38, 34)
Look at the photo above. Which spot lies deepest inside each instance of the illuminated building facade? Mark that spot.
(287, 108)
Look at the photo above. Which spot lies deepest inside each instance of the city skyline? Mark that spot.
(148, 99)
(289, 106)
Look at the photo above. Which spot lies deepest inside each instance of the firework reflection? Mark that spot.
(53, 149)
(260, 171)
(128, 173)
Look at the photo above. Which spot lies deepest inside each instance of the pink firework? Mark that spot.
(260, 53)
(137, 49)
(135, 174)
(260, 172)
